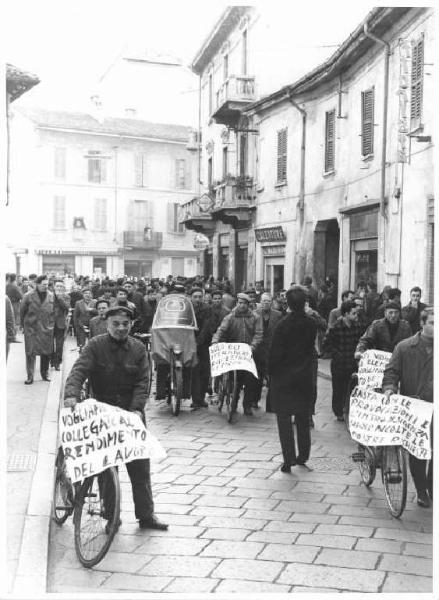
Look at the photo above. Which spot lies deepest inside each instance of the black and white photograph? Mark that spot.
(217, 239)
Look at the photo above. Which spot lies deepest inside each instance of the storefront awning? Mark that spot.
(82, 251)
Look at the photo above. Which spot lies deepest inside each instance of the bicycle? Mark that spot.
(95, 505)
(227, 393)
(353, 382)
(145, 338)
(393, 464)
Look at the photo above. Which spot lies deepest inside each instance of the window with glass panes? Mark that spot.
(96, 167)
(140, 165)
(100, 214)
(59, 212)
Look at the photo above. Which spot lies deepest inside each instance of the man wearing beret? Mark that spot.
(117, 368)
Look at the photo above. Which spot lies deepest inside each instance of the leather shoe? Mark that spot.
(201, 404)
(285, 468)
(423, 500)
(57, 368)
(248, 411)
(45, 377)
(29, 381)
(153, 523)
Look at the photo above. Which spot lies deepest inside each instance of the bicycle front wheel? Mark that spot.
(394, 476)
(367, 465)
(176, 388)
(97, 516)
(222, 385)
(62, 491)
(347, 401)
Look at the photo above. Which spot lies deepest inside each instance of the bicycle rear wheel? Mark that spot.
(96, 517)
(222, 385)
(62, 505)
(366, 464)
(394, 476)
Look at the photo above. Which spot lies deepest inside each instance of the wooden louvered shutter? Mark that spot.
(330, 141)
(138, 170)
(367, 118)
(417, 83)
(282, 156)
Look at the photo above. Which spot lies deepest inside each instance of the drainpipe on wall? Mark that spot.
(199, 137)
(301, 203)
(385, 110)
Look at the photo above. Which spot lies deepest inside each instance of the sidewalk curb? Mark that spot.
(31, 572)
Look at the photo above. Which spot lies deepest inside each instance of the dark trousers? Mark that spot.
(286, 436)
(422, 470)
(30, 365)
(200, 375)
(315, 367)
(139, 474)
(244, 379)
(256, 384)
(58, 339)
(340, 382)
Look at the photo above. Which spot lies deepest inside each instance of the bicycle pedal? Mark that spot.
(358, 457)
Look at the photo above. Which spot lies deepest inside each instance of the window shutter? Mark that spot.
(367, 120)
(60, 163)
(130, 216)
(150, 213)
(329, 141)
(138, 170)
(170, 218)
(91, 170)
(102, 165)
(59, 212)
(282, 155)
(417, 83)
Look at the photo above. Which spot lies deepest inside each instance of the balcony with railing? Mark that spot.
(233, 95)
(196, 214)
(235, 199)
(146, 240)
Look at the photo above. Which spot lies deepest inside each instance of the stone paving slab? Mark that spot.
(396, 582)
(239, 525)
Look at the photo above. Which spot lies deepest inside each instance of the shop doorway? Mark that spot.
(364, 261)
(326, 250)
(274, 275)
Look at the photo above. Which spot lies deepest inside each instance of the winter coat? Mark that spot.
(83, 313)
(412, 315)
(62, 305)
(411, 367)
(267, 334)
(377, 336)
(97, 326)
(118, 372)
(38, 320)
(9, 321)
(13, 292)
(245, 328)
(290, 364)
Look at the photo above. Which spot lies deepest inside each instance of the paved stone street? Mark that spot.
(237, 524)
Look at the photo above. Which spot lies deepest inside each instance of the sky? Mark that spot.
(69, 44)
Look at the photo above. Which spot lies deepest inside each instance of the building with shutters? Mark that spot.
(328, 176)
(98, 195)
(243, 58)
(345, 162)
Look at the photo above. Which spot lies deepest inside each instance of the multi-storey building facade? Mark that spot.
(95, 195)
(345, 161)
(327, 176)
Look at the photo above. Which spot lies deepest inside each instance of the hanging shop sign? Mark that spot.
(270, 234)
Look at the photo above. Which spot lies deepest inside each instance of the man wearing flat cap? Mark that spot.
(384, 334)
(117, 368)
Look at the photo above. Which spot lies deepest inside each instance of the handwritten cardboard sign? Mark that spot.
(371, 368)
(375, 420)
(96, 436)
(231, 357)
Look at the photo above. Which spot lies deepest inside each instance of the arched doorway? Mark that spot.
(326, 249)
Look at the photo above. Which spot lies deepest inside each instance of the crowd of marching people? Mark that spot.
(46, 308)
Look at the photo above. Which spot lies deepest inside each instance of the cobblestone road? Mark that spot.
(237, 524)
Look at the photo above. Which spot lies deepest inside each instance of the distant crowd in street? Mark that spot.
(287, 333)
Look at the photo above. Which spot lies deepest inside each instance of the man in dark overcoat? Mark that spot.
(290, 367)
(61, 307)
(37, 313)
